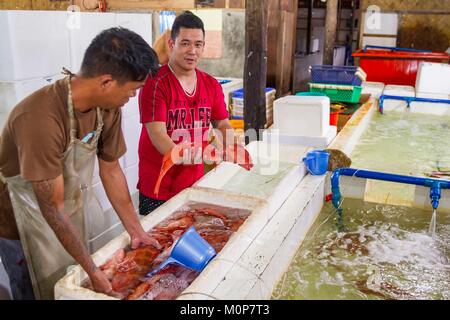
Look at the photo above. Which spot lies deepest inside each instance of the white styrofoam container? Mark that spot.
(131, 108)
(317, 142)
(440, 109)
(90, 25)
(433, 95)
(132, 176)
(401, 91)
(379, 41)
(433, 78)
(69, 287)
(302, 116)
(267, 155)
(102, 201)
(12, 92)
(131, 128)
(141, 23)
(34, 44)
(375, 89)
(101, 219)
(378, 23)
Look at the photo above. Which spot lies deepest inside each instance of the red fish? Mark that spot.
(135, 265)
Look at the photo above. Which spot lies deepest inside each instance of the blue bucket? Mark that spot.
(190, 251)
(317, 162)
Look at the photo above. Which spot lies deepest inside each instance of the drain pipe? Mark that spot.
(435, 185)
(408, 100)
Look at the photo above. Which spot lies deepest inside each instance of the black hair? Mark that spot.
(186, 20)
(121, 53)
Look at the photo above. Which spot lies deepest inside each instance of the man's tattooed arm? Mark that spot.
(50, 196)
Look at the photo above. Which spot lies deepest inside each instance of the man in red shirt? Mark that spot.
(176, 105)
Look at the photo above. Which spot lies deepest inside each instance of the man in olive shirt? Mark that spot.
(47, 149)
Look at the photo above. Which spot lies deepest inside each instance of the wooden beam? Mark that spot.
(15, 5)
(255, 70)
(286, 46)
(330, 30)
(114, 5)
(237, 4)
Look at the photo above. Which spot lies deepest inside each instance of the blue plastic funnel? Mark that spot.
(317, 162)
(190, 251)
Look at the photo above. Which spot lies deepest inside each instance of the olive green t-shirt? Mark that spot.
(36, 134)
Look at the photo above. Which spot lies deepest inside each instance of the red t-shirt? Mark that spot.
(164, 99)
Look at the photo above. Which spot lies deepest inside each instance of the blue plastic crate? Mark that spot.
(344, 75)
(239, 93)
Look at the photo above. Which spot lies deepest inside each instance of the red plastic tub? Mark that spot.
(395, 67)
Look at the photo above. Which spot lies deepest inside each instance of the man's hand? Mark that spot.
(99, 282)
(143, 238)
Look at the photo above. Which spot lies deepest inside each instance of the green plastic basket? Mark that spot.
(310, 94)
(337, 92)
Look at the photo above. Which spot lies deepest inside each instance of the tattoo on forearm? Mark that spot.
(61, 224)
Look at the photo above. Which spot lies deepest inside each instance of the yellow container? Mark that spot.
(237, 123)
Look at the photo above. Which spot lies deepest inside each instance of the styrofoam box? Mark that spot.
(131, 128)
(100, 217)
(401, 91)
(132, 176)
(69, 287)
(433, 78)
(131, 108)
(379, 41)
(267, 155)
(141, 23)
(11, 93)
(433, 95)
(381, 23)
(375, 89)
(317, 142)
(90, 25)
(34, 44)
(302, 116)
(440, 109)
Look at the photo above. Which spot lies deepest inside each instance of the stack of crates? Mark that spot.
(339, 83)
(237, 107)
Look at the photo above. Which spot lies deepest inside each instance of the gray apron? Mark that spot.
(46, 257)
